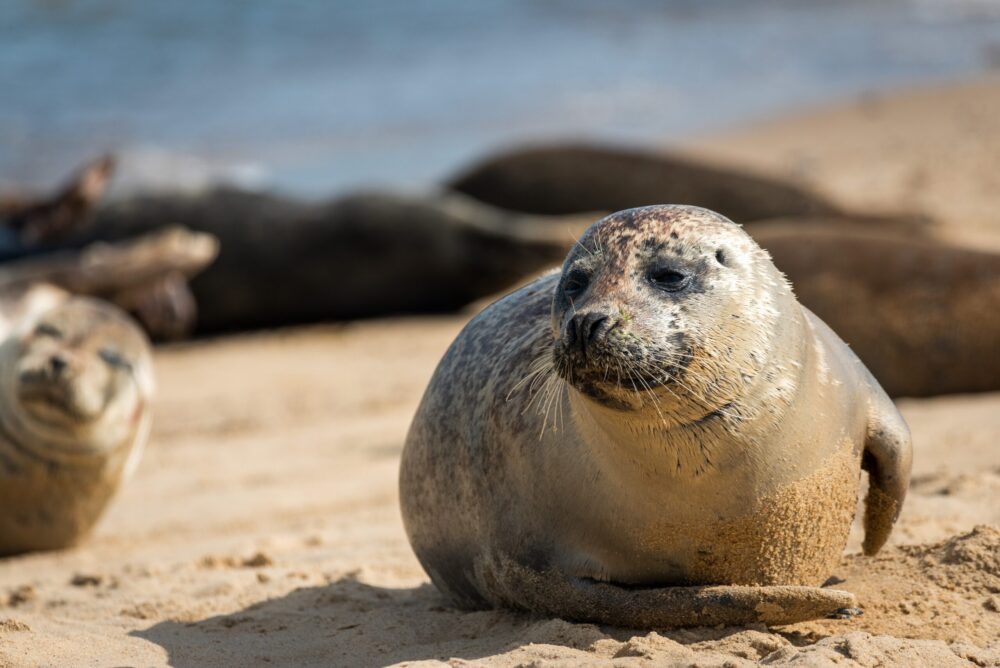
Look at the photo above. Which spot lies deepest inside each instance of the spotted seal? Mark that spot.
(658, 435)
(75, 385)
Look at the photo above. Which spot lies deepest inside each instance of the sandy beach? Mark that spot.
(262, 526)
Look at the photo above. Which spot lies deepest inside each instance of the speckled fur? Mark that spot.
(710, 436)
(64, 454)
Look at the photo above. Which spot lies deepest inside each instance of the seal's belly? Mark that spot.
(794, 536)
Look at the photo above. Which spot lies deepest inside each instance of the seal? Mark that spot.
(563, 178)
(895, 298)
(658, 435)
(386, 252)
(75, 385)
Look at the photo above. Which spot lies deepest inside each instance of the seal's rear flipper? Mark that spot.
(638, 607)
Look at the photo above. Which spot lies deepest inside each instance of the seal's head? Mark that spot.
(674, 302)
(76, 381)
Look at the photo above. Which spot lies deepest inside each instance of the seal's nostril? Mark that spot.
(571, 331)
(585, 329)
(595, 326)
(57, 364)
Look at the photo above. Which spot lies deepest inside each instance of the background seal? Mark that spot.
(76, 382)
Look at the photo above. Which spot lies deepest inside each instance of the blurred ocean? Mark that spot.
(316, 97)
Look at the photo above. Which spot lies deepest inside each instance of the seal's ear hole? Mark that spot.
(720, 257)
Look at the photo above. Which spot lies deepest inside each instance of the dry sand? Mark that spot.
(262, 526)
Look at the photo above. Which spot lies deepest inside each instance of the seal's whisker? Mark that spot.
(540, 370)
(551, 392)
(561, 400)
(530, 376)
(656, 404)
(578, 242)
(693, 395)
(546, 391)
(536, 396)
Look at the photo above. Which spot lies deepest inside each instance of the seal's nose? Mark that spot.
(586, 329)
(57, 364)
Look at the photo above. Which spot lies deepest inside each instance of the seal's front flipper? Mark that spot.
(887, 458)
(662, 607)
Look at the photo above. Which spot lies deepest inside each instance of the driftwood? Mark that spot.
(147, 275)
(41, 220)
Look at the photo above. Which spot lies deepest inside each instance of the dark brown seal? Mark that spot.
(921, 314)
(658, 435)
(284, 260)
(575, 178)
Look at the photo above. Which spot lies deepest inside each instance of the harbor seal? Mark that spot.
(75, 386)
(563, 178)
(282, 260)
(286, 261)
(658, 435)
(895, 299)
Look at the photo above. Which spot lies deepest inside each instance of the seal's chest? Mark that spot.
(794, 536)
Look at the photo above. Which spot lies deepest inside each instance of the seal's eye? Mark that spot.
(114, 358)
(45, 329)
(576, 282)
(668, 279)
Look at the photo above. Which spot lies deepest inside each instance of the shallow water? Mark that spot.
(322, 96)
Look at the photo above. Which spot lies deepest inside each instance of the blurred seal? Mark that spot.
(575, 178)
(660, 435)
(286, 261)
(75, 385)
(896, 299)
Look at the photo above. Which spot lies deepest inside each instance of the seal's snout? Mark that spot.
(57, 365)
(586, 330)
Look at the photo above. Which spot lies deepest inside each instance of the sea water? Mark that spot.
(318, 97)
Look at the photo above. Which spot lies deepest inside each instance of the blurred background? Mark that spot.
(320, 97)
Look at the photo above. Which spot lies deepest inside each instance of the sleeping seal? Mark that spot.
(75, 385)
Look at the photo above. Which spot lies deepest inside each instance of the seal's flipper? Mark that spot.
(583, 599)
(164, 306)
(887, 458)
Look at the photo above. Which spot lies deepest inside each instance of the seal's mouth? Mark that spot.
(611, 367)
(59, 399)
